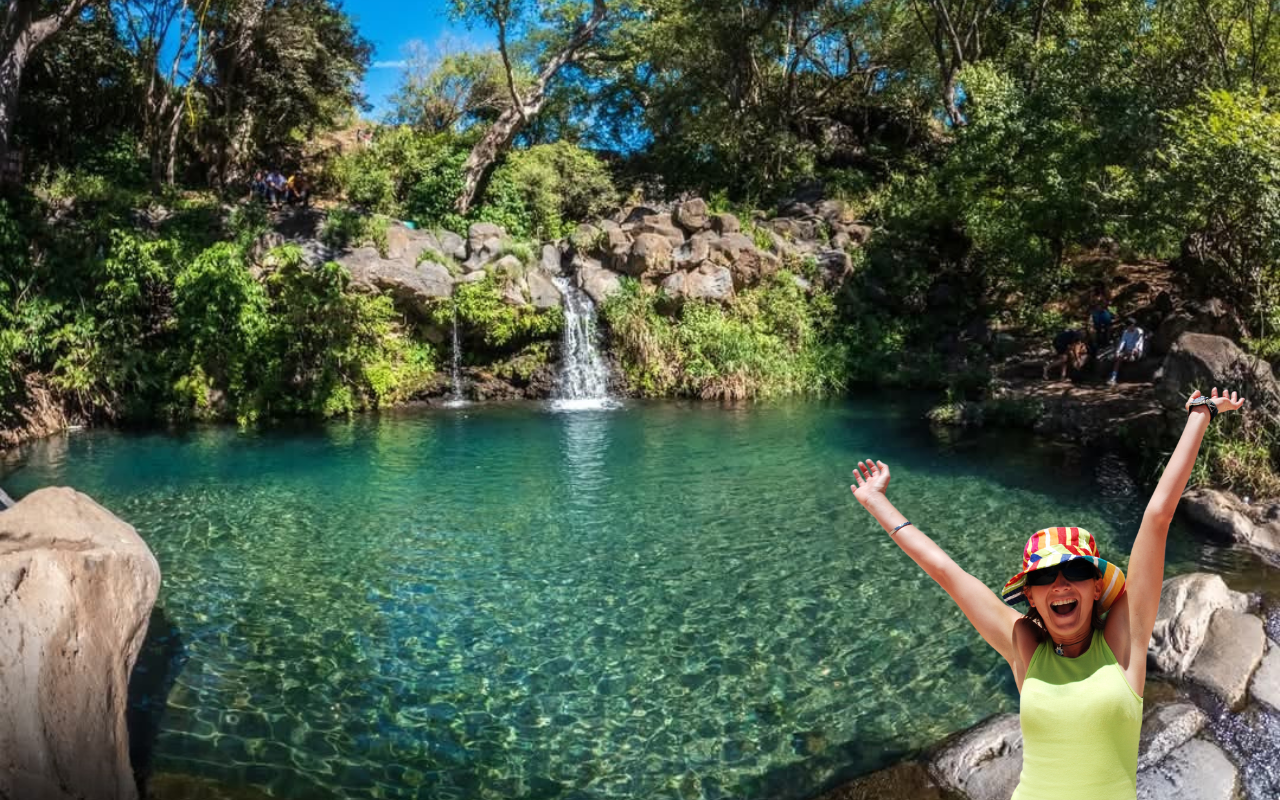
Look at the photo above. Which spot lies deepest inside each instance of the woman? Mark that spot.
(1080, 716)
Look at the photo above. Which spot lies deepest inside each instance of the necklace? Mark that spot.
(1057, 646)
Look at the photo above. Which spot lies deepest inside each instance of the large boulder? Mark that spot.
(408, 244)
(662, 225)
(551, 260)
(1198, 770)
(982, 763)
(77, 586)
(411, 285)
(1212, 316)
(1201, 361)
(725, 223)
(599, 283)
(709, 282)
(1187, 605)
(1230, 654)
(692, 215)
(542, 291)
(484, 244)
(1255, 527)
(452, 245)
(650, 254)
(694, 251)
(738, 252)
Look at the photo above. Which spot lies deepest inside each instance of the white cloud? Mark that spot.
(390, 64)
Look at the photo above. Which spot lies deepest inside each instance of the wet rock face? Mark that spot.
(984, 762)
(1229, 519)
(77, 586)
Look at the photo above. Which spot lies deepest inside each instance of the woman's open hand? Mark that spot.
(872, 477)
(1227, 402)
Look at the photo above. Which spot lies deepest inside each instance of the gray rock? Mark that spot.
(1201, 361)
(1213, 316)
(452, 245)
(650, 253)
(616, 249)
(77, 586)
(802, 284)
(597, 282)
(1187, 604)
(673, 285)
(1197, 770)
(1165, 729)
(738, 252)
(474, 277)
(551, 261)
(407, 244)
(634, 214)
(663, 226)
(984, 762)
(1265, 687)
(1230, 654)
(1229, 519)
(542, 291)
(692, 215)
(725, 223)
(413, 285)
(696, 250)
(481, 234)
(709, 282)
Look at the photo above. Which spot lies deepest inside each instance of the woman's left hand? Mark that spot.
(1227, 402)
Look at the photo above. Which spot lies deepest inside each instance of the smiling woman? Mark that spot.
(1094, 673)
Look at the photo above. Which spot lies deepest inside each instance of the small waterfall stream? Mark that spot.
(456, 398)
(584, 379)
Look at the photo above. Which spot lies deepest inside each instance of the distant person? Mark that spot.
(258, 187)
(299, 191)
(1132, 342)
(277, 187)
(1071, 351)
(1102, 318)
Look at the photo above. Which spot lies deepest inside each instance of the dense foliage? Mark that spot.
(991, 151)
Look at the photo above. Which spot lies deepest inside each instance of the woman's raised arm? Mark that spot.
(992, 618)
(1146, 563)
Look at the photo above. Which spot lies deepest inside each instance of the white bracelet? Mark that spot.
(900, 527)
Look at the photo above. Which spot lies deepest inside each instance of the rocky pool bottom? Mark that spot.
(664, 600)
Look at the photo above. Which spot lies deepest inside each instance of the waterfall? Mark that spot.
(456, 397)
(584, 379)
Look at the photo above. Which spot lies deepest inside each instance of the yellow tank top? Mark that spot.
(1080, 725)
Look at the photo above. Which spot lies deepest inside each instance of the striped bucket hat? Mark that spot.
(1053, 546)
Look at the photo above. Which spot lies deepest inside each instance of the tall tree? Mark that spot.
(26, 25)
(149, 26)
(526, 103)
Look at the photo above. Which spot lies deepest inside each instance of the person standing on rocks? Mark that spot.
(1079, 653)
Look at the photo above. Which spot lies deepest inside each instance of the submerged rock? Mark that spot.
(77, 586)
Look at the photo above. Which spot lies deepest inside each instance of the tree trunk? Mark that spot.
(20, 35)
(498, 138)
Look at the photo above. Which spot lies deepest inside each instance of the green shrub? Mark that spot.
(546, 190)
(480, 307)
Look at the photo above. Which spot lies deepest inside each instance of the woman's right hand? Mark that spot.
(872, 478)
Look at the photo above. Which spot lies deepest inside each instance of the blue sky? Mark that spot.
(392, 25)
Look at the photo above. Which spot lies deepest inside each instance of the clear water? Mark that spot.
(666, 601)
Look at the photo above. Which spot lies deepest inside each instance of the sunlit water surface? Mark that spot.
(655, 601)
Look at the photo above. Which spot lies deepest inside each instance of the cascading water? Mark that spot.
(584, 378)
(456, 397)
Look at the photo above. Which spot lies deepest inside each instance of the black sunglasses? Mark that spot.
(1075, 570)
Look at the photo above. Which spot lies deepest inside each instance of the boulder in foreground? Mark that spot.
(77, 586)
